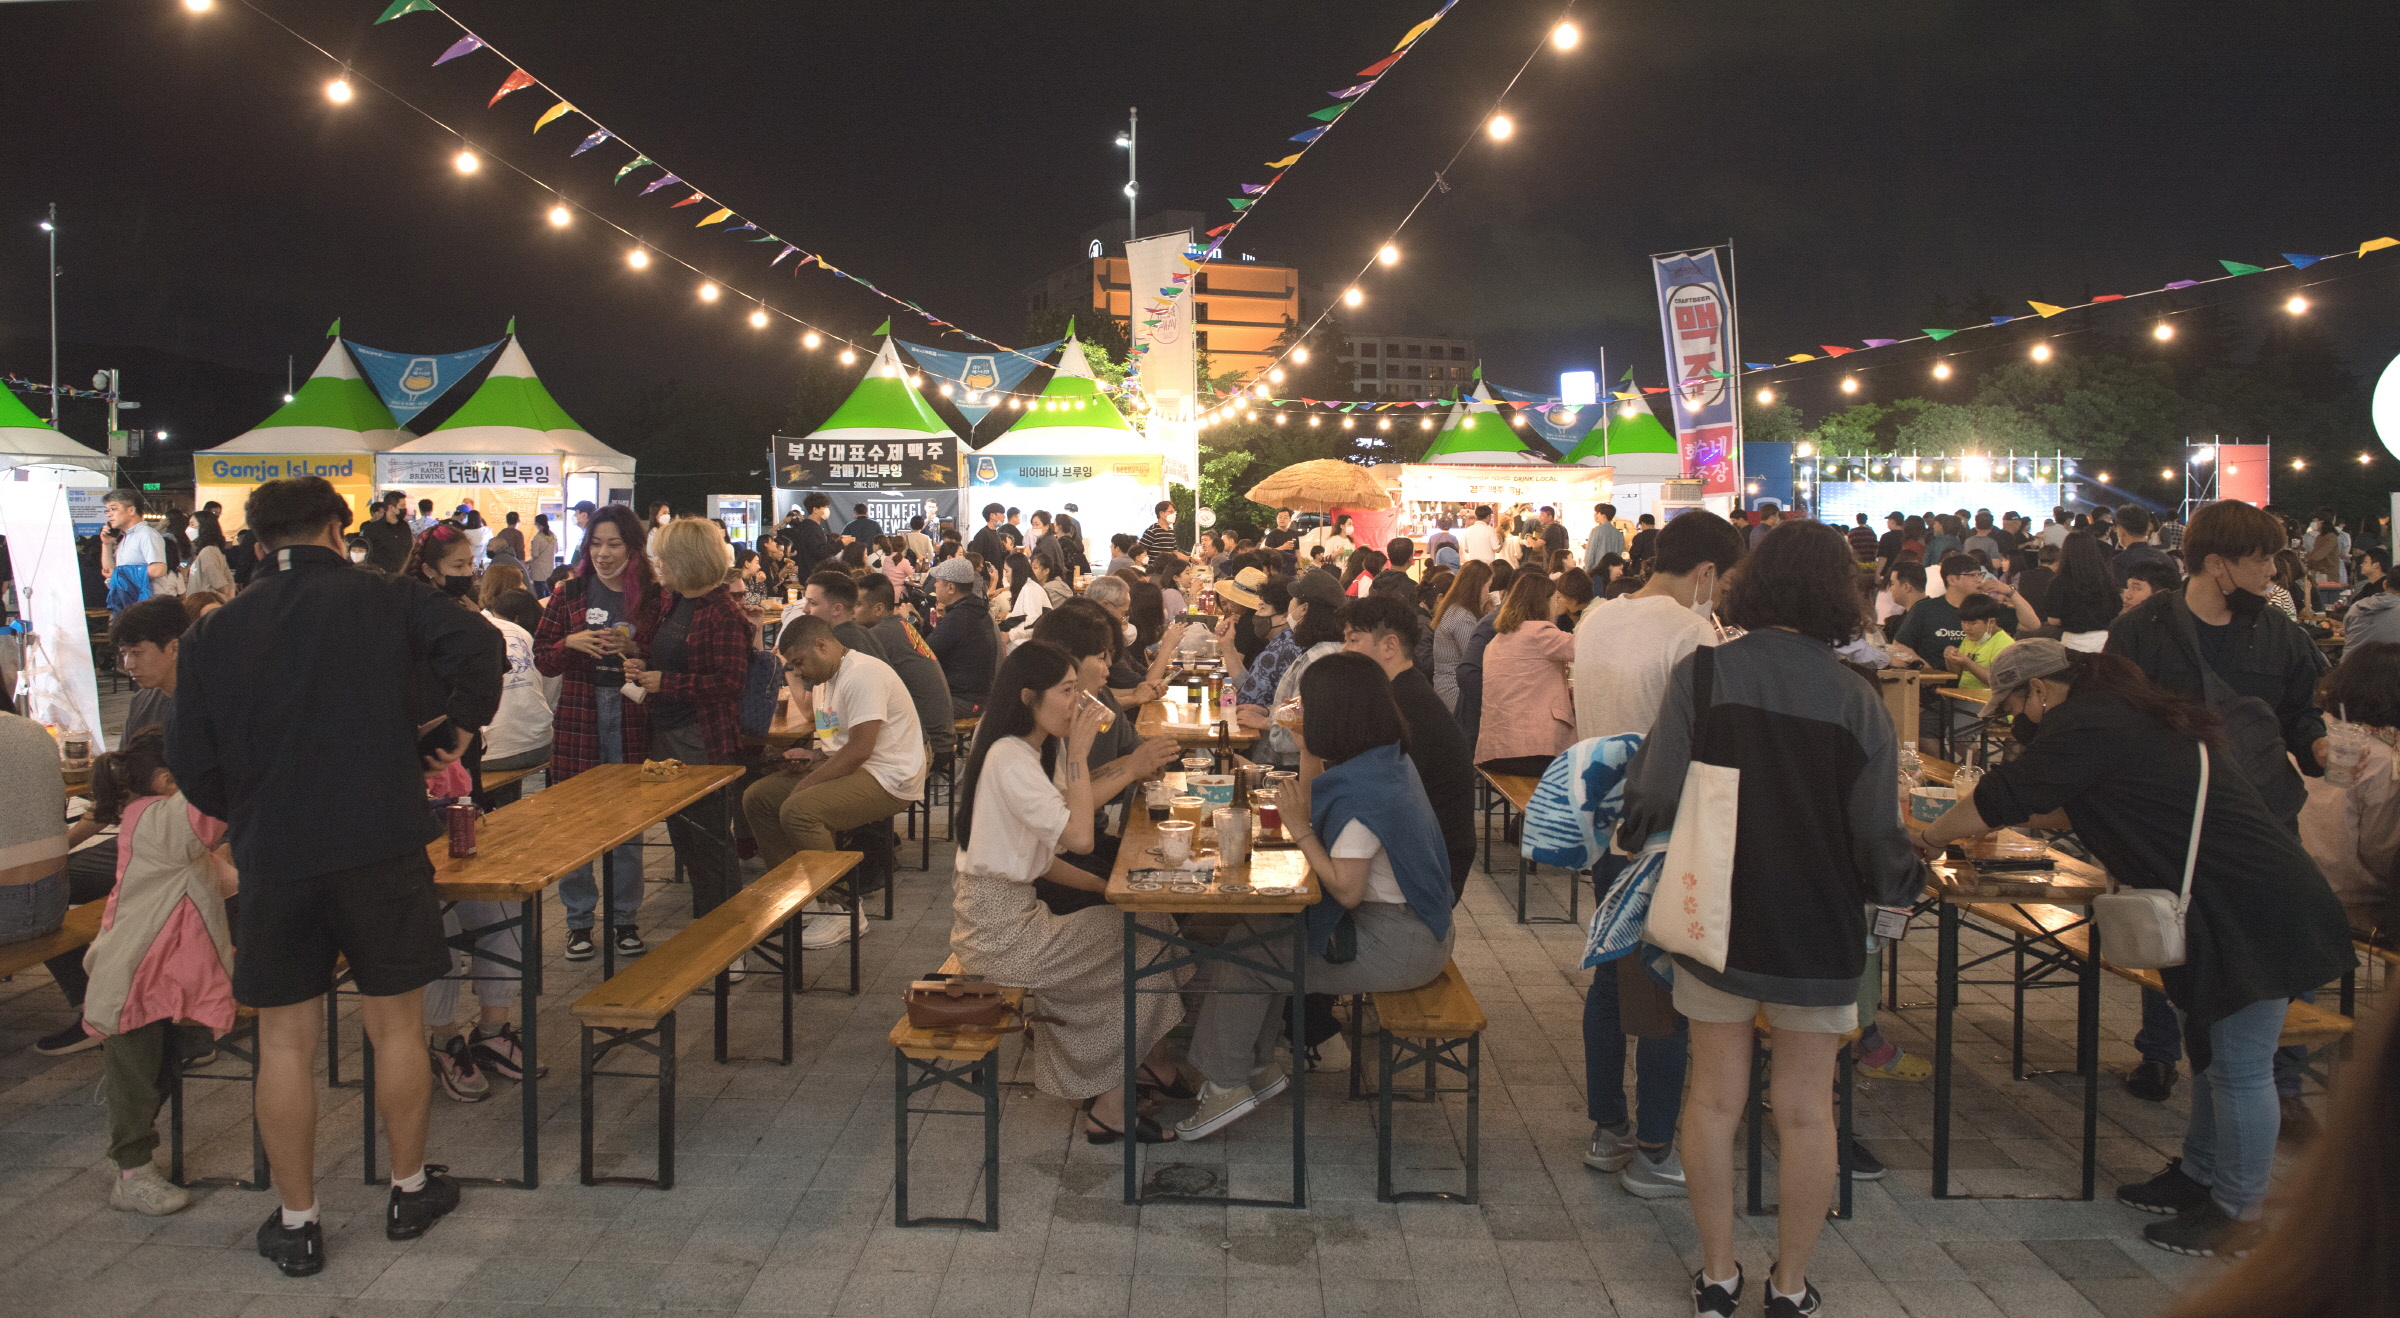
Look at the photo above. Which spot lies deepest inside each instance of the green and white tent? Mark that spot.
(511, 414)
(884, 406)
(1637, 446)
(1477, 434)
(1072, 418)
(336, 411)
(28, 441)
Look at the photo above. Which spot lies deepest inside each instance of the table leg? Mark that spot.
(1129, 1116)
(1299, 1082)
(1945, 1008)
(608, 914)
(2087, 1055)
(530, 994)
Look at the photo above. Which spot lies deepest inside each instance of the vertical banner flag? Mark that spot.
(409, 382)
(979, 381)
(1165, 347)
(1697, 315)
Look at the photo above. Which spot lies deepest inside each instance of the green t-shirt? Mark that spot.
(1982, 653)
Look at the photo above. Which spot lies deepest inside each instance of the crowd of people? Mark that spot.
(2153, 684)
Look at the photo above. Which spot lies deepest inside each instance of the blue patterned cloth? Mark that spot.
(1568, 823)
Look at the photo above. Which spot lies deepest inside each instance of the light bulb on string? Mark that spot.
(561, 217)
(638, 258)
(339, 91)
(1849, 384)
(1300, 356)
(1941, 370)
(810, 340)
(2041, 352)
(758, 318)
(1276, 375)
(1389, 254)
(849, 358)
(708, 292)
(1766, 397)
(2297, 306)
(2164, 332)
(199, 6)
(1259, 389)
(466, 162)
(1501, 127)
(1566, 36)
(1281, 419)
(1349, 423)
(1426, 424)
(1351, 297)
(1314, 421)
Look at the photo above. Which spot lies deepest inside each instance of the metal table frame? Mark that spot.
(2050, 962)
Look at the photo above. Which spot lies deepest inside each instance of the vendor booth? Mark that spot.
(333, 427)
(510, 448)
(1478, 434)
(884, 447)
(1640, 452)
(1071, 446)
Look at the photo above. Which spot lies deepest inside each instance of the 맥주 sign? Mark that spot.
(407, 470)
(864, 464)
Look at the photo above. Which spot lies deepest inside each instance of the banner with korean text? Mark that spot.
(1696, 311)
(403, 471)
(864, 464)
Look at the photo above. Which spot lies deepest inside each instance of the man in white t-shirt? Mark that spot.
(867, 764)
(131, 542)
(1478, 539)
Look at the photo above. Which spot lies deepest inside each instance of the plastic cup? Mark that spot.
(1175, 841)
(1186, 809)
(1155, 796)
(1108, 714)
(1270, 814)
(2348, 742)
(1233, 835)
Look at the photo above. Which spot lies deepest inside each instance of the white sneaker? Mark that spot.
(147, 1192)
(818, 932)
(1648, 1179)
(1611, 1149)
(738, 971)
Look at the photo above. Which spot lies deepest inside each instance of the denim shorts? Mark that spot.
(1700, 1002)
(33, 910)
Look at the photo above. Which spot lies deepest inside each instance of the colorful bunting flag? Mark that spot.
(1937, 335)
(465, 45)
(1238, 203)
(1801, 357)
(696, 196)
(1832, 351)
(517, 80)
(590, 142)
(2046, 309)
(719, 214)
(1421, 28)
(1308, 134)
(1283, 163)
(1329, 113)
(400, 7)
(2300, 262)
(1253, 189)
(2237, 268)
(552, 113)
(1880, 343)
(788, 249)
(636, 163)
(2377, 245)
(2002, 320)
(1755, 366)
(2108, 297)
(2183, 283)
(1376, 69)
(661, 181)
(1220, 229)
(1349, 92)
(747, 225)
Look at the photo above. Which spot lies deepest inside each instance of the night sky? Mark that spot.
(1869, 158)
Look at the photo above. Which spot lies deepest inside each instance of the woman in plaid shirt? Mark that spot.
(696, 665)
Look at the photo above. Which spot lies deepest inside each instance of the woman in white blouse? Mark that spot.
(1025, 798)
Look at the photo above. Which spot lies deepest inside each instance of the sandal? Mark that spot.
(1181, 1090)
(1145, 1130)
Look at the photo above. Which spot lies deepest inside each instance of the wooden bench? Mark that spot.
(637, 1005)
(929, 1060)
(82, 925)
(1510, 793)
(1429, 1025)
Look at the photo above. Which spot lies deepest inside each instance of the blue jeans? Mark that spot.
(2161, 1040)
(2230, 1145)
(1658, 1064)
(578, 892)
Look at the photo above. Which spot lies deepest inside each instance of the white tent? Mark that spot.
(1478, 435)
(336, 411)
(1072, 418)
(512, 414)
(28, 441)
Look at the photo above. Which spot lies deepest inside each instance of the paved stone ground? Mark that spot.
(783, 1194)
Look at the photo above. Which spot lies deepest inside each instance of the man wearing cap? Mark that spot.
(963, 637)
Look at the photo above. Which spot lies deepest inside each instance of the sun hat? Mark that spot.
(1242, 587)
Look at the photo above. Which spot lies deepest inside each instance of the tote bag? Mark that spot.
(1691, 909)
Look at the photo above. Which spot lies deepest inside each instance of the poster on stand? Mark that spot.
(57, 686)
(1696, 313)
(864, 464)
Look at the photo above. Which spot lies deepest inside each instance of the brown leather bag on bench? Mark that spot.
(961, 1006)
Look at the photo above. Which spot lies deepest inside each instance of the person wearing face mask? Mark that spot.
(1626, 648)
(1159, 536)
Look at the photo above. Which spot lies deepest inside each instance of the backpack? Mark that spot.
(2253, 733)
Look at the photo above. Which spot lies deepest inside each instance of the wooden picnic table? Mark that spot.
(1282, 866)
(1900, 695)
(522, 849)
(1192, 725)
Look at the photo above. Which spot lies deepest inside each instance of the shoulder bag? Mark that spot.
(1691, 909)
(960, 1006)
(2143, 928)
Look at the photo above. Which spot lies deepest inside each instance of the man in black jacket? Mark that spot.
(992, 544)
(308, 713)
(811, 539)
(387, 534)
(964, 640)
(1385, 629)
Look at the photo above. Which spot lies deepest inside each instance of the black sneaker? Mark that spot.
(411, 1215)
(1713, 1301)
(73, 1039)
(2205, 1232)
(629, 941)
(1864, 1166)
(579, 945)
(1784, 1306)
(501, 1052)
(2168, 1193)
(299, 1251)
(2151, 1082)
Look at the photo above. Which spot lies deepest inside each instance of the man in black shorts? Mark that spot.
(307, 714)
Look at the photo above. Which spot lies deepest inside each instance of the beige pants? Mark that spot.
(787, 820)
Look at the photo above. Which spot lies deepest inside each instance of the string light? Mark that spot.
(2041, 352)
(1275, 375)
(1259, 389)
(338, 91)
(2297, 306)
(2365, 458)
(1941, 370)
(199, 6)
(2164, 332)
(561, 217)
(1849, 384)
(1765, 397)
(1313, 421)
(708, 292)
(810, 340)
(758, 318)
(1426, 424)
(1389, 254)
(1384, 424)
(2166, 473)
(1300, 356)
(466, 162)
(1349, 423)
(2299, 464)
(1281, 419)
(848, 357)
(1626, 411)
(1501, 127)
(1566, 36)
(638, 258)
(1351, 297)
(945, 389)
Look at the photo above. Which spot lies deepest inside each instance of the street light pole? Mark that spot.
(1133, 187)
(50, 227)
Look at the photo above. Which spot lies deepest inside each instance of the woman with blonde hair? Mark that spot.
(698, 662)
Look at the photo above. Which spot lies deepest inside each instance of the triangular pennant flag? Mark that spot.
(590, 142)
(2237, 268)
(2002, 320)
(697, 196)
(1253, 189)
(1329, 113)
(1880, 343)
(788, 249)
(512, 326)
(1307, 135)
(2300, 262)
(1238, 203)
(1832, 351)
(765, 237)
(552, 113)
(661, 181)
(1220, 229)
(1756, 366)
(517, 80)
(2108, 297)
(400, 7)
(636, 163)
(2047, 309)
(334, 330)
(719, 214)
(2377, 245)
(465, 45)
(1937, 335)
(1627, 375)
(1349, 92)
(1417, 31)
(748, 225)
(1378, 66)
(1286, 161)
(1801, 357)
(885, 327)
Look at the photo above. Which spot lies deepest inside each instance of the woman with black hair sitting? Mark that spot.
(1383, 922)
(1025, 801)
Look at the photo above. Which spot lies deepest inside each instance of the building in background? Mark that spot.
(1242, 306)
(1387, 366)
